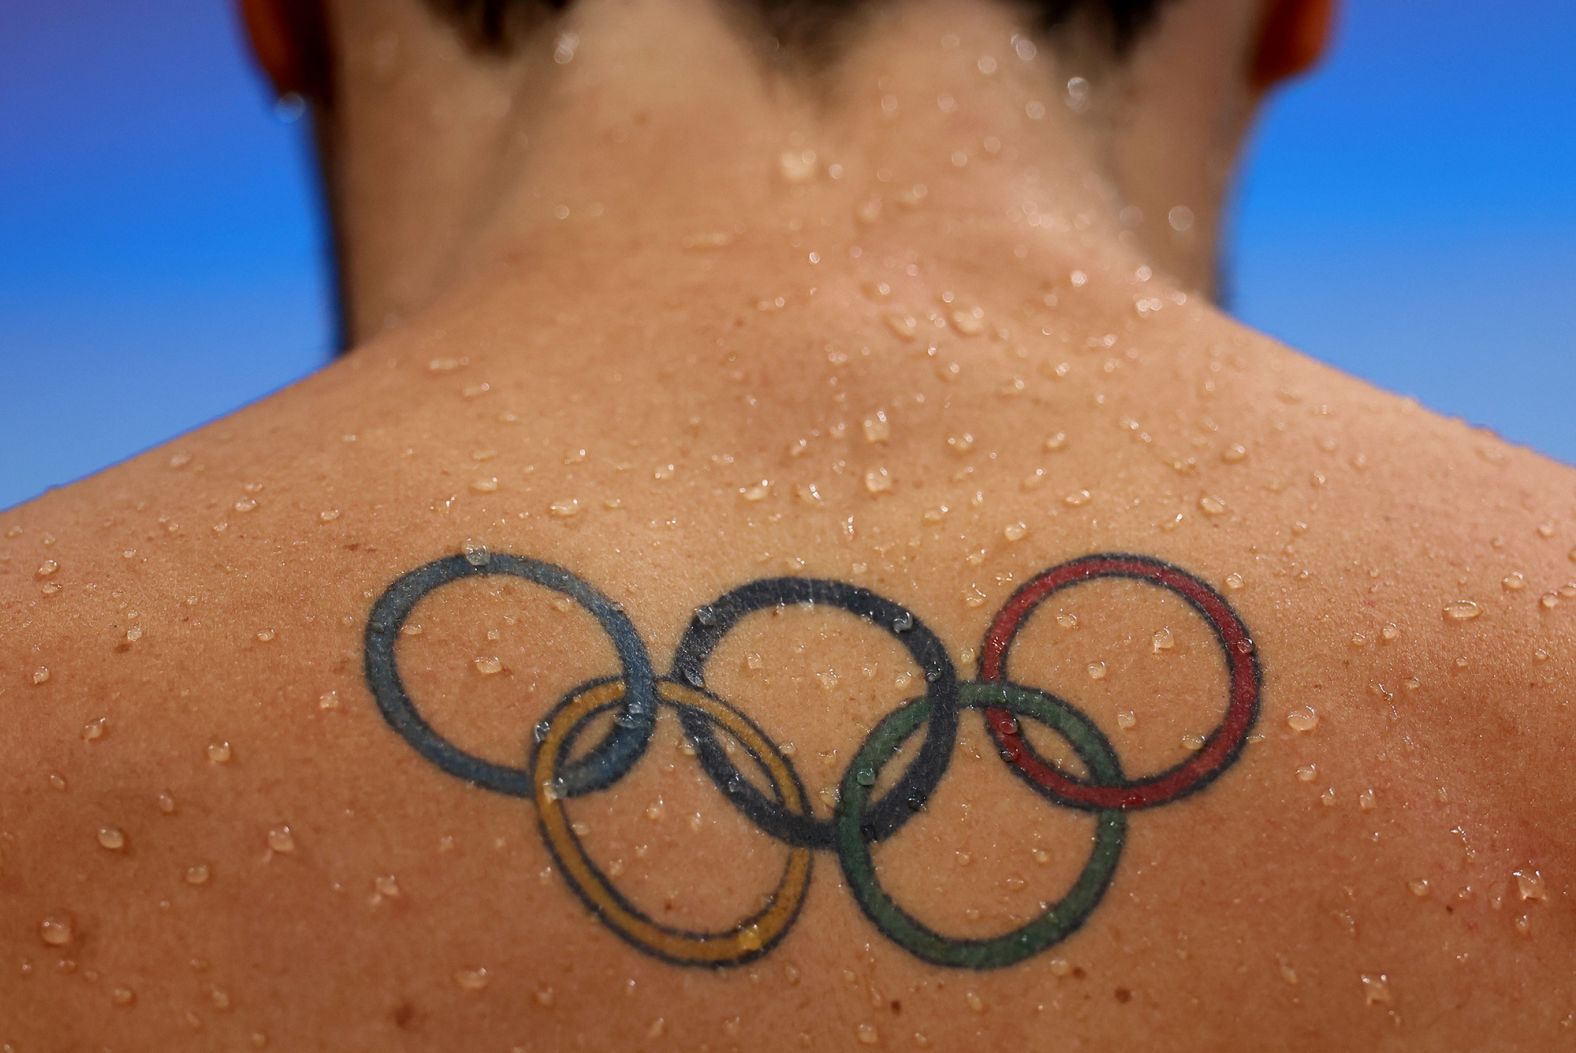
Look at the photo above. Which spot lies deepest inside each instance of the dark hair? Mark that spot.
(1121, 22)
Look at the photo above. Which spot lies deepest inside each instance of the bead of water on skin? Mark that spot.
(488, 665)
(265, 635)
(1126, 720)
(877, 428)
(1376, 988)
(444, 364)
(1304, 719)
(1548, 601)
(1164, 640)
(1515, 581)
(878, 480)
(1529, 883)
(57, 930)
(1056, 441)
(220, 752)
(905, 326)
(41, 674)
(1327, 798)
(1077, 498)
(969, 322)
(46, 568)
(1307, 772)
(94, 729)
(1097, 670)
(1211, 505)
(328, 515)
(122, 997)
(1420, 887)
(281, 838)
(198, 874)
(867, 1035)
(1462, 610)
(328, 700)
(486, 485)
(1235, 581)
(756, 491)
(472, 979)
(1365, 800)
(112, 838)
(1193, 743)
(245, 504)
(1234, 453)
(1015, 531)
(167, 803)
(565, 507)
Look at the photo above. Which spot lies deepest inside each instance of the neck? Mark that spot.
(936, 139)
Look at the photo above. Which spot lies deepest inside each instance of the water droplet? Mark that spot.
(488, 665)
(1365, 800)
(878, 480)
(865, 777)
(1529, 883)
(1307, 772)
(95, 729)
(328, 700)
(472, 979)
(903, 622)
(47, 568)
(1164, 640)
(281, 838)
(58, 930)
(1193, 743)
(198, 874)
(1420, 887)
(486, 485)
(797, 166)
(1211, 505)
(867, 1035)
(1462, 610)
(1097, 670)
(41, 674)
(1234, 454)
(877, 428)
(1303, 719)
(1066, 619)
(565, 507)
(123, 997)
(112, 838)
(1015, 531)
(1077, 498)
(1515, 581)
(444, 364)
(545, 997)
(1376, 988)
(220, 752)
(263, 635)
(1234, 581)
(1126, 720)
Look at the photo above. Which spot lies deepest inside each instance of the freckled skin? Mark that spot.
(326, 887)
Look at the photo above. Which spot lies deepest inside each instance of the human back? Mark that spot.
(466, 695)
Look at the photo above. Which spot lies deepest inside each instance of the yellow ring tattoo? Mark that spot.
(749, 938)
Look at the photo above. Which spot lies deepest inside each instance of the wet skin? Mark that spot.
(1385, 858)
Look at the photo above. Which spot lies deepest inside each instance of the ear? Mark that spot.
(1294, 36)
(290, 40)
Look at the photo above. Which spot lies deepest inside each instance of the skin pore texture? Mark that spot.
(792, 562)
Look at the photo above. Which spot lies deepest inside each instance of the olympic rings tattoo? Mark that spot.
(550, 778)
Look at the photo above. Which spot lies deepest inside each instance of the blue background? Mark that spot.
(1408, 214)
